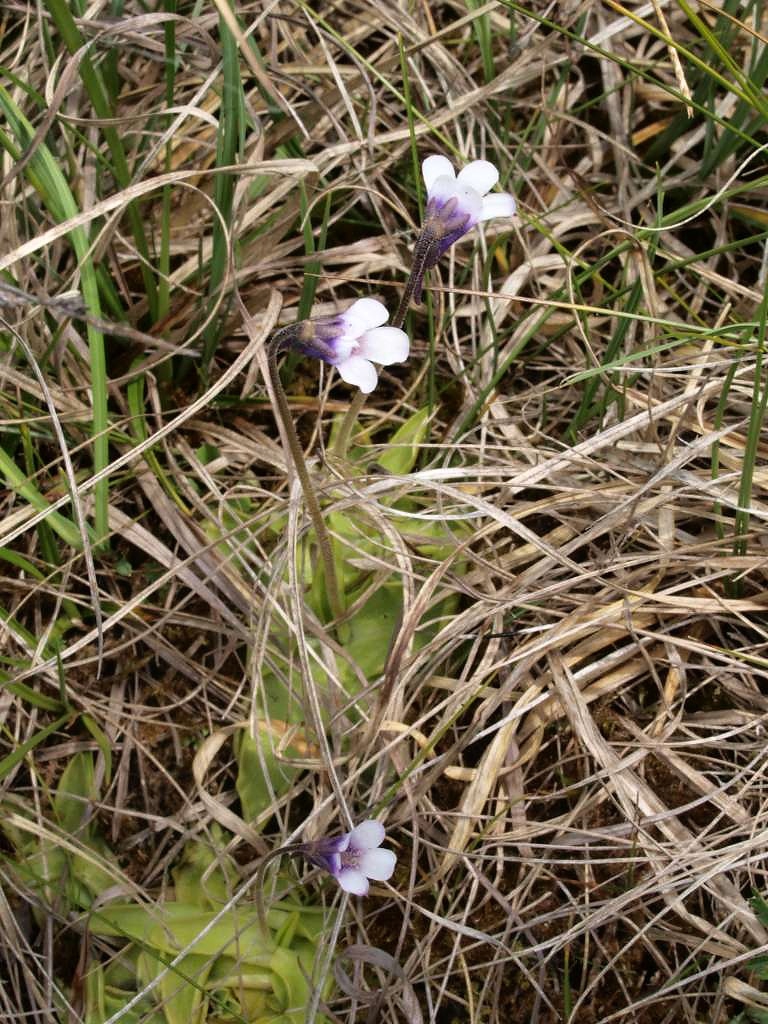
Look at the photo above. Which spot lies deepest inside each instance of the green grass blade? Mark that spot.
(20, 483)
(756, 418)
(312, 269)
(232, 119)
(17, 755)
(722, 405)
(74, 41)
(44, 173)
(481, 26)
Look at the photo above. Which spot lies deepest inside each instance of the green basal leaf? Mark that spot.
(174, 926)
(84, 875)
(205, 878)
(206, 453)
(400, 457)
(107, 992)
(181, 991)
(291, 987)
(75, 793)
(431, 538)
(103, 743)
(262, 774)
(18, 754)
(369, 635)
(760, 908)
(353, 539)
(233, 972)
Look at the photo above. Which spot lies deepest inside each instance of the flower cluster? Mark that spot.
(354, 857)
(355, 340)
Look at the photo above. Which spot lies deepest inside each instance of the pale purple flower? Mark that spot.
(351, 341)
(354, 857)
(455, 204)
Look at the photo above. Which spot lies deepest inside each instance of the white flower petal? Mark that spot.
(470, 203)
(479, 175)
(344, 345)
(435, 167)
(367, 835)
(385, 345)
(443, 189)
(352, 880)
(358, 371)
(378, 864)
(500, 204)
(364, 314)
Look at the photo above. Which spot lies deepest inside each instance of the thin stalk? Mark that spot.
(422, 256)
(291, 850)
(228, 141)
(313, 506)
(754, 433)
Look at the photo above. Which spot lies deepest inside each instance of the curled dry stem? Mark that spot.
(290, 850)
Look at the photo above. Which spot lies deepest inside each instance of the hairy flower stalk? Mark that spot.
(455, 204)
